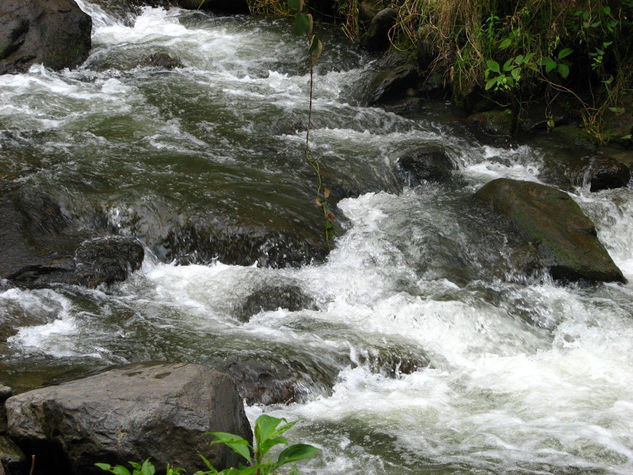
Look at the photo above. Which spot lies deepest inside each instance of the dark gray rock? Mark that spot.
(278, 379)
(601, 173)
(161, 60)
(34, 231)
(239, 246)
(157, 410)
(268, 298)
(493, 122)
(376, 38)
(564, 237)
(427, 163)
(97, 261)
(55, 33)
(396, 79)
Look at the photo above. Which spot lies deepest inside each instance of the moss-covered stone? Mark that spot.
(553, 222)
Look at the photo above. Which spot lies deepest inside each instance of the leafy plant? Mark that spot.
(268, 434)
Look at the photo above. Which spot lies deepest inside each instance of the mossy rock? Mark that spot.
(553, 222)
(493, 122)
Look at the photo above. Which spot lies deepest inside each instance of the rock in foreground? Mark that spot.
(564, 237)
(55, 33)
(157, 410)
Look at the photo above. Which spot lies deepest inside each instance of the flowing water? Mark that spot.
(524, 375)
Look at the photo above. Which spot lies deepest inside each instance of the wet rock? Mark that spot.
(55, 33)
(224, 6)
(376, 38)
(427, 163)
(160, 60)
(494, 122)
(35, 230)
(107, 260)
(269, 298)
(600, 173)
(157, 410)
(564, 237)
(238, 246)
(5, 393)
(277, 379)
(97, 261)
(391, 362)
(397, 79)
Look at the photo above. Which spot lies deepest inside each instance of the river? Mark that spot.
(524, 375)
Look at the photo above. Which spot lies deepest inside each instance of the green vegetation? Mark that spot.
(268, 434)
(513, 54)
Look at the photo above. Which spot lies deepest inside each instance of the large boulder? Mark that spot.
(97, 261)
(53, 32)
(551, 220)
(157, 410)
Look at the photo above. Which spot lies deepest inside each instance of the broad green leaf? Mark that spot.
(505, 43)
(295, 6)
(507, 66)
(563, 70)
(617, 110)
(147, 468)
(493, 66)
(265, 428)
(301, 24)
(491, 83)
(118, 470)
(238, 444)
(564, 53)
(295, 453)
(529, 57)
(516, 74)
(270, 443)
(549, 64)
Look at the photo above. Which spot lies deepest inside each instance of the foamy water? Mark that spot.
(525, 375)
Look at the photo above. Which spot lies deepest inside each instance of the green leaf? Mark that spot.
(549, 64)
(147, 468)
(563, 70)
(301, 24)
(295, 6)
(493, 66)
(617, 110)
(505, 43)
(564, 53)
(516, 74)
(270, 443)
(238, 444)
(295, 453)
(507, 66)
(118, 470)
(491, 83)
(265, 428)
